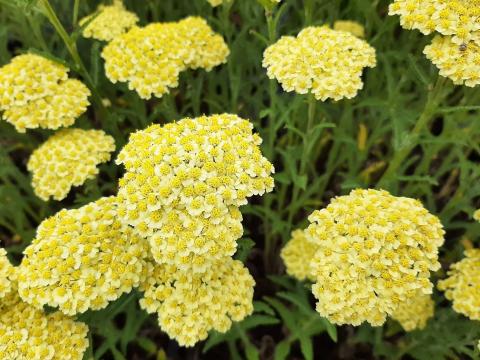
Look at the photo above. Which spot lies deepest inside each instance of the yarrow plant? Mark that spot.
(297, 256)
(415, 312)
(325, 62)
(150, 59)
(68, 158)
(375, 251)
(36, 93)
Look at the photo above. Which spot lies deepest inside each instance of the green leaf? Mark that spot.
(282, 350)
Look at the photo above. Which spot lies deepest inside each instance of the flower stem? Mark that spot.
(435, 96)
(49, 12)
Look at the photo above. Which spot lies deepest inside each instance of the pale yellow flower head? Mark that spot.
(476, 215)
(184, 183)
(82, 259)
(190, 305)
(68, 158)
(375, 251)
(297, 255)
(112, 21)
(462, 286)
(150, 59)
(352, 27)
(414, 313)
(7, 274)
(460, 63)
(27, 333)
(36, 93)
(321, 61)
(459, 19)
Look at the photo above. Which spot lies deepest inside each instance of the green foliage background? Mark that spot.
(349, 146)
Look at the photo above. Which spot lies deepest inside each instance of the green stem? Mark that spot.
(76, 5)
(49, 12)
(434, 98)
(308, 12)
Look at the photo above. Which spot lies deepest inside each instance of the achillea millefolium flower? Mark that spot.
(7, 274)
(476, 215)
(82, 259)
(414, 313)
(36, 93)
(112, 21)
(460, 63)
(375, 251)
(27, 333)
(150, 59)
(184, 183)
(459, 19)
(68, 158)
(190, 305)
(297, 256)
(320, 60)
(352, 27)
(462, 286)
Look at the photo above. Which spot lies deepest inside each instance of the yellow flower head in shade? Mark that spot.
(414, 313)
(7, 274)
(27, 333)
(297, 255)
(461, 19)
(476, 215)
(36, 93)
(319, 60)
(460, 63)
(68, 158)
(352, 27)
(375, 251)
(81, 259)
(184, 183)
(190, 305)
(462, 286)
(112, 21)
(150, 59)
(215, 2)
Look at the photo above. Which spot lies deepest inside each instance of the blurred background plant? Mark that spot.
(352, 145)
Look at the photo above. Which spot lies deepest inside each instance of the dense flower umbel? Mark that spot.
(190, 305)
(184, 183)
(7, 274)
(82, 259)
(150, 59)
(352, 27)
(112, 21)
(460, 63)
(36, 92)
(297, 255)
(27, 333)
(68, 158)
(375, 251)
(320, 60)
(414, 313)
(461, 19)
(462, 286)
(476, 215)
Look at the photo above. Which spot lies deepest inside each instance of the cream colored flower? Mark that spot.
(375, 251)
(414, 313)
(297, 255)
(352, 27)
(82, 259)
(66, 159)
(7, 274)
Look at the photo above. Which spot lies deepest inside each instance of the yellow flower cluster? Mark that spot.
(27, 333)
(352, 27)
(462, 286)
(82, 259)
(414, 313)
(461, 19)
(36, 92)
(150, 59)
(190, 305)
(461, 63)
(375, 251)
(297, 255)
(7, 274)
(112, 21)
(184, 183)
(320, 60)
(476, 215)
(68, 158)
